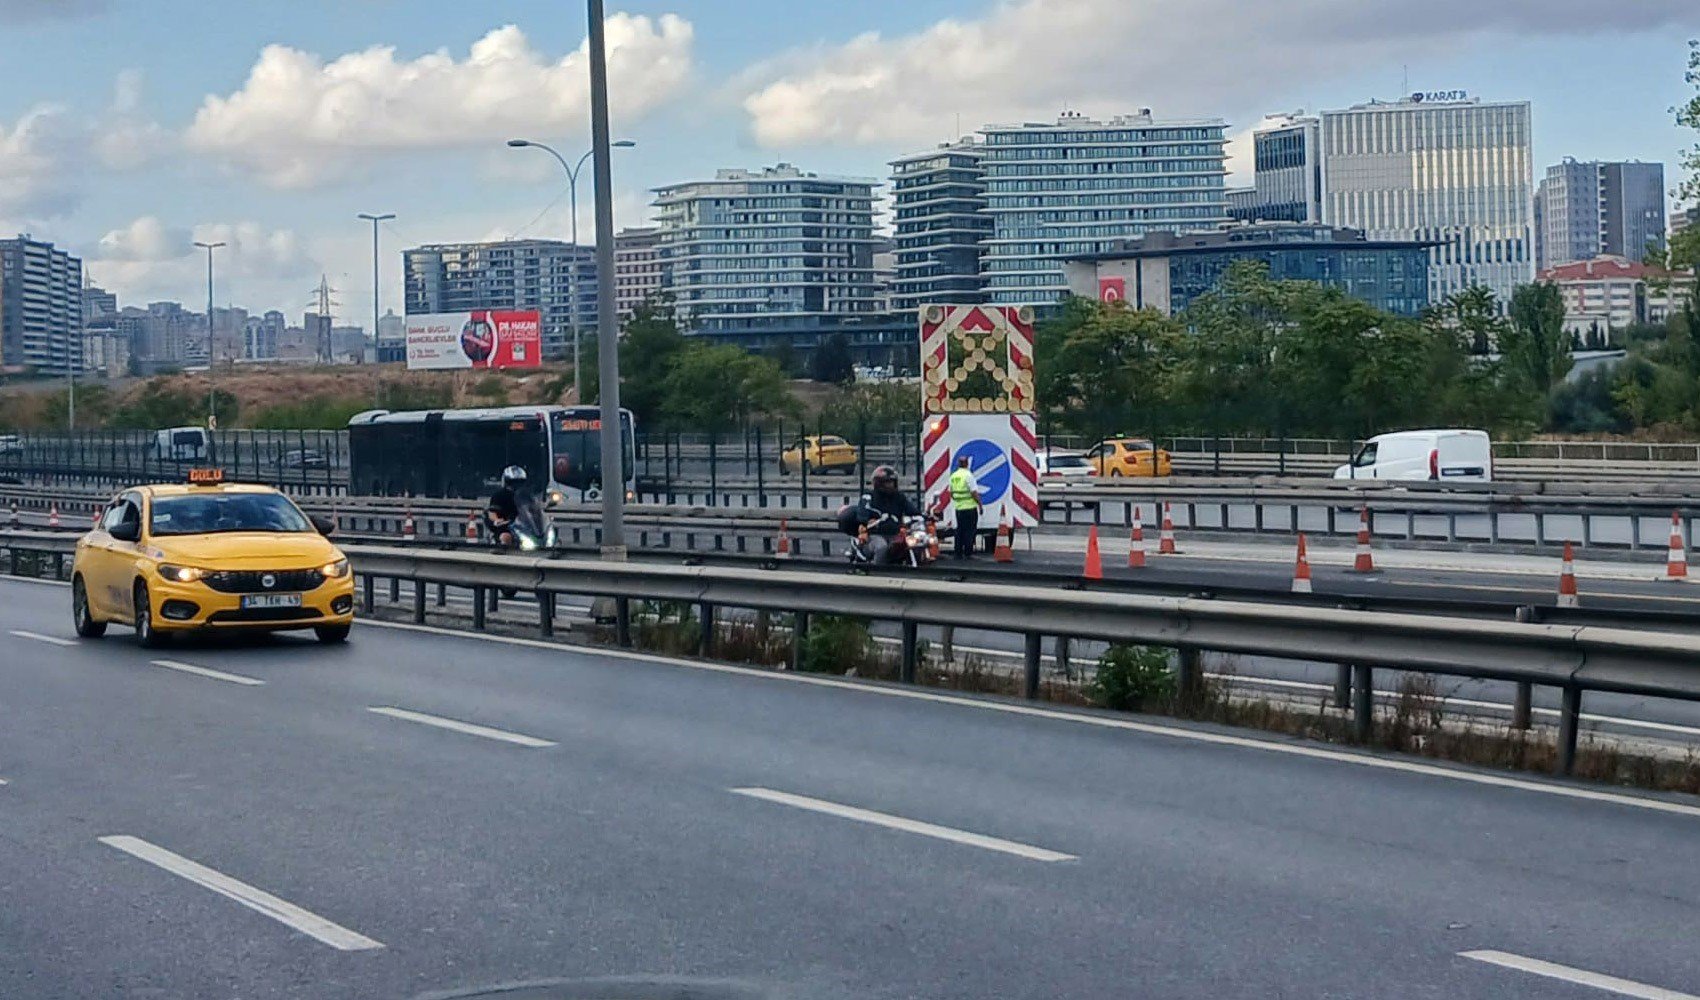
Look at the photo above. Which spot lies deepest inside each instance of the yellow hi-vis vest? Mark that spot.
(962, 493)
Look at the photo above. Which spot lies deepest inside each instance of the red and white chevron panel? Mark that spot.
(1002, 447)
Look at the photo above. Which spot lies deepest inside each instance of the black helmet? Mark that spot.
(885, 479)
(513, 476)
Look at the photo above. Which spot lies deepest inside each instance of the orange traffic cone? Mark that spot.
(1364, 562)
(933, 537)
(1676, 564)
(407, 529)
(1094, 561)
(1136, 539)
(1567, 581)
(1166, 539)
(94, 514)
(782, 548)
(1301, 571)
(1005, 551)
(472, 526)
(53, 515)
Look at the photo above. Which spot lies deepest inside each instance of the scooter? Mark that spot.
(914, 544)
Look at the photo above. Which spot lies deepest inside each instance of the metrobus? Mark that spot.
(461, 453)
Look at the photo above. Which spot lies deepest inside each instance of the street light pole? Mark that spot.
(607, 321)
(573, 171)
(375, 219)
(212, 409)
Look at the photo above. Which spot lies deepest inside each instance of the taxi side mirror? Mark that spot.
(126, 531)
(324, 525)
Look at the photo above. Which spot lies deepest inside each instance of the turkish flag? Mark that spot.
(1112, 289)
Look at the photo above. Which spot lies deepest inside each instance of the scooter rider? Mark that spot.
(504, 506)
(886, 511)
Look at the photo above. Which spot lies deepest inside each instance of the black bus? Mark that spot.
(461, 453)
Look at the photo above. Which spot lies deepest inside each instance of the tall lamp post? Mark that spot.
(375, 219)
(572, 273)
(212, 411)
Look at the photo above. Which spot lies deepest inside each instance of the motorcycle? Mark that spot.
(915, 543)
(531, 528)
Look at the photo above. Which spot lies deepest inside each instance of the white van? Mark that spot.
(1450, 456)
(180, 444)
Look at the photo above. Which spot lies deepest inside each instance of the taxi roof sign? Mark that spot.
(206, 477)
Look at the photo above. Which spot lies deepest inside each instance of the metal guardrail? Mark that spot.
(1574, 659)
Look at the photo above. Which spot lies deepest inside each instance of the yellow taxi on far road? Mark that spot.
(820, 453)
(1123, 456)
(209, 555)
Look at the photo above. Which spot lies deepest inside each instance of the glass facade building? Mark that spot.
(772, 256)
(1288, 163)
(1590, 210)
(512, 274)
(938, 207)
(1455, 173)
(1167, 271)
(1079, 186)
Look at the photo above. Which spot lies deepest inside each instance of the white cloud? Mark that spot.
(35, 181)
(299, 120)
(1026, 58)
(145, 240)
(128, 138)
(258, 267)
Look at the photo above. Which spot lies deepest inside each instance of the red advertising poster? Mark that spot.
(1112, 289)
(483, 338)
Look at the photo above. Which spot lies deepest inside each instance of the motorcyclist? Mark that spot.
(886, 511)
(504, 505)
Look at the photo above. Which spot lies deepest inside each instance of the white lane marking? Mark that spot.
(1580, 977)
(906, 825)
(38, 637)
(286, 913)
(1083, 719)
(217, 675)
(471, 729)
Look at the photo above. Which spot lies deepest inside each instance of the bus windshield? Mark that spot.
(578, 451)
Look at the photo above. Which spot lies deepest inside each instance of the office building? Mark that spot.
(1287, 160)
(1167, 271)
(1606, 294)
(1242, 204)
(1078, 186)
(555, 278)
(774, 256)
(637, 268)
(1590, 210)
(41, 308)
(229, 333)
(98, 302)
(1439, 168)
(939, 214)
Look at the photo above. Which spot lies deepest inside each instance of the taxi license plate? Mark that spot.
(271, 601)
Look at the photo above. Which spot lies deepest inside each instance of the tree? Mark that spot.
(1685, 249)
(784, 355)
(1474, 313)
(832, 361)
(648, 345)
(718, 387)
(1535, 345)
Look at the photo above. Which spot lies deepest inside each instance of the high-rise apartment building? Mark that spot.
(1079, 186)
(773, 256)
(637, 267)
(1589, 210)
(41, 307)
(557, 279)
(939, 213)
(1441, 168)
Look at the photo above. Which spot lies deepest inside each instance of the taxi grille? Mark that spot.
(262, 615)
(251, 582)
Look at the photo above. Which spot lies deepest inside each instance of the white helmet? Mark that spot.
(513, 475)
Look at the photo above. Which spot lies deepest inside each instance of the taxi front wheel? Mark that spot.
(146, 634)
(87, 627)
(331, 634)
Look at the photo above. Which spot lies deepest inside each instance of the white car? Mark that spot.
(1449, 456)
(1058, 468)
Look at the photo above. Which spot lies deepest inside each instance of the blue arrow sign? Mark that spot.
(986, 459)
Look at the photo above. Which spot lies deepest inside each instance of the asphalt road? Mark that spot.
(770, 831)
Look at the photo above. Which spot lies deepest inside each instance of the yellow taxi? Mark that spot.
(1117, 457)
(209, 555)
(820, 453)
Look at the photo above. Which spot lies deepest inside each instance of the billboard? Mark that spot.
(483, 338)
(977, 403)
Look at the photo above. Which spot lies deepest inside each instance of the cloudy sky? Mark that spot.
(130, 128)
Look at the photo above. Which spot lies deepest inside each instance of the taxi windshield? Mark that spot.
(199, 514)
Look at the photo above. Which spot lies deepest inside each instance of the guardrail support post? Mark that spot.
(419, 602)
(367, 586)
(478, 608)
(1030, 680)
(395, 590)
(1343, 685)
(947, 643)
(1363, 702)
(906, 671)
(546, 613)
(1189, 675)
(442, 594)
(799, 637)
(623, 622)
(1569, 721)
(1521, 709)
(705, 645)
(1059, 648)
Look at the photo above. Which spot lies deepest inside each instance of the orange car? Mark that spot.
(1122, 457)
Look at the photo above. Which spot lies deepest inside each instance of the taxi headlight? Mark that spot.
(180, 574)
(334, 570)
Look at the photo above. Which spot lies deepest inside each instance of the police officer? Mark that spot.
(965, 497)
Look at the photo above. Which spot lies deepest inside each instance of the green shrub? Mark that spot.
(837, 644)
(1131, 677)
